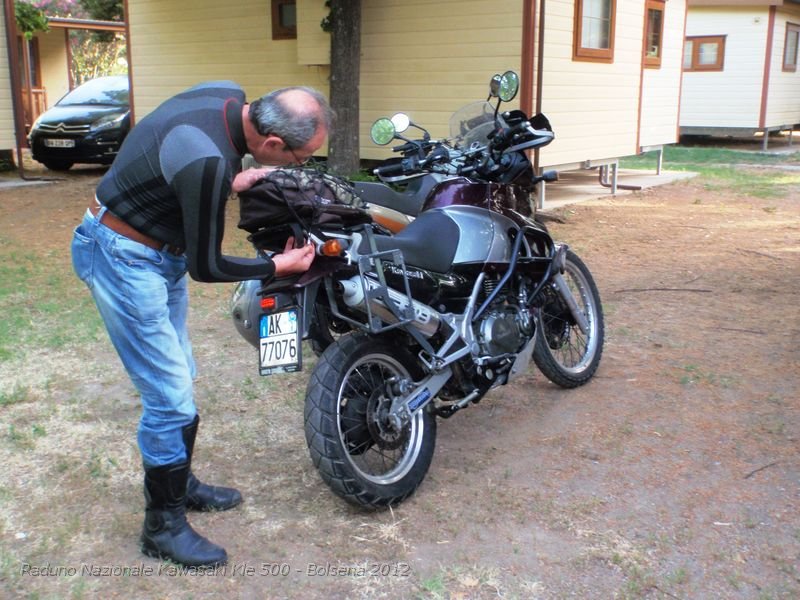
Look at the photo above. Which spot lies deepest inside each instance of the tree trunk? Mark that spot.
(343, 144)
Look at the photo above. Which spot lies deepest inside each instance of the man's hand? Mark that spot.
(248, 178)
(293, 260)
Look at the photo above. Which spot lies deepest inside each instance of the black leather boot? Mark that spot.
(166, 533)
(200, 496)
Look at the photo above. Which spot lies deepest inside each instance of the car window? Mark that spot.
(104, 90)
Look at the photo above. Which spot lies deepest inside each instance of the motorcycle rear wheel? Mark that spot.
(562, 352)
(357, 454)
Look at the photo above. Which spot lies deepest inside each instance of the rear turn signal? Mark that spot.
(331, 248)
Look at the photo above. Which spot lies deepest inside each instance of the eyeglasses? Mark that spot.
(297, 160)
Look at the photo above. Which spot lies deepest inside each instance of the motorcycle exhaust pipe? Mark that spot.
(426, 320)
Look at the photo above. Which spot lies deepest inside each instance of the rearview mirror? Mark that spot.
(382, 131)
(401, 122)
(508, 86)
(494, 86)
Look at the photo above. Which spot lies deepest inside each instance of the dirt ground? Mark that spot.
(673, 474)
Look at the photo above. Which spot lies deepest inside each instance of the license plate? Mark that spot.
(59, 143)
(279, 347)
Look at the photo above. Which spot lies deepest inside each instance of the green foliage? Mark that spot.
(327, 22)
(94, 53)
(29, 19)
(92, 58)
(104, 10)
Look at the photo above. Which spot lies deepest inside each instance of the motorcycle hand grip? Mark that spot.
(407, 165)
(439, 155)
(407, 147)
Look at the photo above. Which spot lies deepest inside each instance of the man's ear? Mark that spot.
(271, 145)
(273, 142)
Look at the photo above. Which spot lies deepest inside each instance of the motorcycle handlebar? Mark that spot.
(407, 147)
(404, 167)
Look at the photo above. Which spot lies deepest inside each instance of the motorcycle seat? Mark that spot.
(429, 242)
(409, 202)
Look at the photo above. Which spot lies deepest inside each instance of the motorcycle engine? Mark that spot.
(504, 330)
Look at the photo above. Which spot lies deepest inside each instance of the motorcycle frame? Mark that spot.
(437, 362)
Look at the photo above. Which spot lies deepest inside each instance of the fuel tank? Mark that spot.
(484, 235)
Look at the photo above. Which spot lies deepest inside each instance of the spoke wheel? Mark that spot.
(357, 449)
(567, 356)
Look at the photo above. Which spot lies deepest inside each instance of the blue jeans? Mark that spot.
(142, 297)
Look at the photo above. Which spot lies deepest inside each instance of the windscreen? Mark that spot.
(111, 91)
(472, 124)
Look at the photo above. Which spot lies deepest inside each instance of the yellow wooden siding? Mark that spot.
(313, 44)
(592, 106)
(732, 97)
(177, 44)
(53, 56)
(420, 57)
(661, 87)
(783, 103)
(7, 140)
(430, 58)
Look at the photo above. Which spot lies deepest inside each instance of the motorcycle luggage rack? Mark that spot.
(373, 287)
(371, 276)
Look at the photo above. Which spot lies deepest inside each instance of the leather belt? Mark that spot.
(119, 226)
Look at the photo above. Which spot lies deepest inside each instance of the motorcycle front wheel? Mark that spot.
(567, 356)
(356, 450)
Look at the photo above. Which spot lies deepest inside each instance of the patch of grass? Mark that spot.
(723, 169)
(734, 581)
(42, 302)
(17, 437)
(17, 395)
(639, 581)
(9, 567)
(434, 586)
(694, 374)
(775, 399)
(773, 424)
(457, 581)
(677, 577)
(702, 157)
(363, 175)
(100, 466)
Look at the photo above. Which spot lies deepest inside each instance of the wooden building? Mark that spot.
(740, 68)
(606, 72)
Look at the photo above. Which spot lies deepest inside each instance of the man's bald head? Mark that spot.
(294, 114)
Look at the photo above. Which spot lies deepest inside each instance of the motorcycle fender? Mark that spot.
(307, 298)
(321, 267)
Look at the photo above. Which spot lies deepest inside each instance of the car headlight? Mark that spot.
(108, 122)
